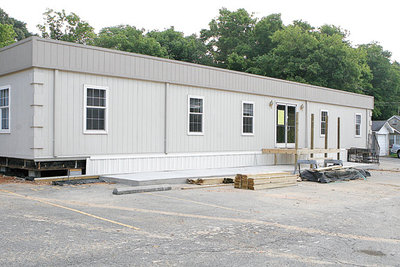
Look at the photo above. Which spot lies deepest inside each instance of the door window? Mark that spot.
(285, 124)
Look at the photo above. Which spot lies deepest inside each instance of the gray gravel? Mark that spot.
(347, 223)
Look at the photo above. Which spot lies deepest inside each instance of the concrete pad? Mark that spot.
(141, 189)
(180, 176)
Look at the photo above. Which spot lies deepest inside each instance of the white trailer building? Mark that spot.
(65, 105)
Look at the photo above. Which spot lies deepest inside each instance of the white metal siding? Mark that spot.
(347, 127)
(161, 162)
(19, 142)
(95, 60)
(136, 119)
(136, 116)
(222, 121)
(43, 113)
(16, 57)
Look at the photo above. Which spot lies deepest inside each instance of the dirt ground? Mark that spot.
(354, 223)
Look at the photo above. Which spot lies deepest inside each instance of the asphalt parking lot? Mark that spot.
(354, 223)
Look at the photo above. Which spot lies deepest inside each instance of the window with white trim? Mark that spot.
(324, 116)
(95, 109)
(195, 115)
(358, 124)
(5, 109)
(247, 118)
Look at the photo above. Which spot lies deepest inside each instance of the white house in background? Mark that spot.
(65, 105)
(394, 121)
(383, 131)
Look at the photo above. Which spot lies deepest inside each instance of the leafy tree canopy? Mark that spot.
(231, 32)
(385, 81)
(128, 38)
(179, 47)
(58, 25)
(7, 35)
(19, 27)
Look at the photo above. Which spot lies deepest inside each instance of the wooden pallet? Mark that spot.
(265, 180)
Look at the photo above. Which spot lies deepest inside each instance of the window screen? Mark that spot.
(4, 109)
(324, 115)
(358, 124)
(248, 116)
(196, 115)
(96, 109)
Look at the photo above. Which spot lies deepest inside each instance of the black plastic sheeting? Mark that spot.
(334, 175)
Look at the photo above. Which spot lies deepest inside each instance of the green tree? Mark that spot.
(306, 55)
(333, 30)
(58, 25)
(19, 27)
(7, 35)
(303, 25)
(263, 31)
(231, 32)
(385, 82)
(341, 66)
(237, 62)
(292, 56)
(128, 38)
(179, 47)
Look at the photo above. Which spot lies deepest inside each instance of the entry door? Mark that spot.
(285, 125)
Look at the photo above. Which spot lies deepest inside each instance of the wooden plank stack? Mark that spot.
(265, 180)
(211, 181)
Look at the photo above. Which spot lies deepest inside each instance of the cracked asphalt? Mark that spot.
(353, 223)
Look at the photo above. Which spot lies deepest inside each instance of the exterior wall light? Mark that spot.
(271, 103)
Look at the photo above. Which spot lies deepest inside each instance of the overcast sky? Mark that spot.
(366, 20)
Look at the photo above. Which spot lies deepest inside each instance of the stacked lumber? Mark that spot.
(211, 181)
(266, 180)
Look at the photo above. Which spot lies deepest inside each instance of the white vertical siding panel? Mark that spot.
(90, 60)
(143, 163)
(126, 66)
(139, 105)
(73, 59)
(96, 61)
(19, 142)
(43, 115)
(107, 61)
(55, 56)
(65, 56)
(222, 121)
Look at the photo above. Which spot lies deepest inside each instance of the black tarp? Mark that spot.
(334, 175)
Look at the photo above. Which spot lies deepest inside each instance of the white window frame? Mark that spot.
(286, 144)
(252, 103)
(320, 121)
(6, 131)
(85, 87)
(355, 124)
(188, 115)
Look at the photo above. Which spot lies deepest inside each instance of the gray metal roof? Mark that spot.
(394, 116)
(51, 54)
(377, 125)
